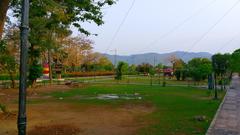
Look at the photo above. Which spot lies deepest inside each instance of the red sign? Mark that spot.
(45, 69)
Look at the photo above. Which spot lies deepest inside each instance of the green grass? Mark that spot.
(136, 79)
(175, 107)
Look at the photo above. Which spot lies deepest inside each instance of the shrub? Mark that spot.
(88, 74)
(3, 108)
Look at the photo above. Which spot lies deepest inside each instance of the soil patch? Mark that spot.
(8, 116)
(59, 118)
(60, 129)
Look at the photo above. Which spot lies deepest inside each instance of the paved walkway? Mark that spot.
(227, 119)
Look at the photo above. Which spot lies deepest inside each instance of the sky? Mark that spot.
(162, 26)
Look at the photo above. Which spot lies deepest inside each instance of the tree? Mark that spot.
(179, 66)
(221, 65)
(78, 51)
(3, 11)
(184, 73)
(159, 69)
(7, 62)
(235, 61)
(199, 68)
(177, 73)
(96, 61)
(159, 66)
(125, 68)
(35, 71)
(65, 13)
(173, 59)
(144, 68)
(132, 69)
(51, 19)
(9, 53)
(119, 71)
(151, 73)
(100, 62)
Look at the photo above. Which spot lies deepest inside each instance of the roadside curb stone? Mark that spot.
(227, 118)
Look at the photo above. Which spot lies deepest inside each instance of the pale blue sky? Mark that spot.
(150, 19)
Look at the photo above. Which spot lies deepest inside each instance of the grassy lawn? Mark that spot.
(137, 79)
(174, 107)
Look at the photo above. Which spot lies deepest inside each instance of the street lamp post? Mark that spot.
(22, 119)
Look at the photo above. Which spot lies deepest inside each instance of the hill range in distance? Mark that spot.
(156, 58)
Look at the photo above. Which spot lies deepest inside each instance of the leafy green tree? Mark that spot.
(221, 65)
(125, 68)
(199, 68)
(144, 68)
(8, 61)
(159, 66)
(35, 71)
(158, 70)
(235, 61)
(119, 71)
(62, 14)
(152, 72)
(177, 73)
(179, 66)
(132, 69)
(184, 73)
(51, 20)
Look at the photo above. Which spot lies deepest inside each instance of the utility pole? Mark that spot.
(133, 60)
(115, 58)
(94, 68)
(22, 118)
(154, 61)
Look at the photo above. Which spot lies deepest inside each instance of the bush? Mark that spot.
(7, 77)
(35, 71)
(3, 108)
(88, 74)
(164, 84)
(177, 73)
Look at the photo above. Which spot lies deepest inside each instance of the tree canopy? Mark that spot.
(221, 63)
(235, 61)
(199, 68)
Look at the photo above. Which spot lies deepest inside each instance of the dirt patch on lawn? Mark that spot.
(9, 95)
(59, 118)
(38, 90)
(58, 129)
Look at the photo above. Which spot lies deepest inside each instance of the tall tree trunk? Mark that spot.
(50, 67)
(215, 87)
(3, 11)
(222, 81)
(12, 79)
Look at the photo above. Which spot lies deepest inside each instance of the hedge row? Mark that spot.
(87, 74)
(7, 77)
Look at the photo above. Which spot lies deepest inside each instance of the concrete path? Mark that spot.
(227, 119)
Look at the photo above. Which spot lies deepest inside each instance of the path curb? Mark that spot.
(215, 117)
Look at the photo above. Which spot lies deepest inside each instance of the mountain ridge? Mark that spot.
(156, 58)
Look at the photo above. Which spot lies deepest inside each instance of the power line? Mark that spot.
(180, 24)
(120, 26)
(227, 43)
(211, 28)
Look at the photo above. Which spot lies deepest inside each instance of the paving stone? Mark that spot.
(227, 120)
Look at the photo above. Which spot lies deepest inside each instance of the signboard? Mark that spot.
(46, 71)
